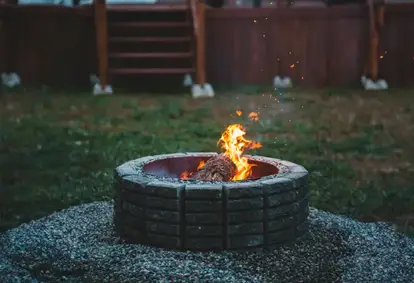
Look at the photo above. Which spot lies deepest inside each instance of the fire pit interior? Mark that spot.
(174, 167)
(210, 201)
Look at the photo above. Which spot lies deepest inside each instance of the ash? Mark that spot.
(79, 245)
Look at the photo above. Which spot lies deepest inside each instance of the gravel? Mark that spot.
(78, 245)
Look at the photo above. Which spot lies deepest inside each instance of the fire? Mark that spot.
(254, 116)
(186, 175)
(200, 165)
(234, 144)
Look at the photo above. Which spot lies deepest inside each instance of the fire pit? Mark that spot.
(210, 201)
(154, 206)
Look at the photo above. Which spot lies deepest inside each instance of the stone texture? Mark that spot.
(194, 215)
(79, 244)
(243, 190)
(203, 191)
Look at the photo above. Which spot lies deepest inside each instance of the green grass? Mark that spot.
(60, 150)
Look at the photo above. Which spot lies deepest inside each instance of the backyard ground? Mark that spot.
(58, 150)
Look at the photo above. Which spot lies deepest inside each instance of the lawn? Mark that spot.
(58, 150)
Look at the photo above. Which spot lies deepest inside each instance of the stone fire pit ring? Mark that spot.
(154, 207)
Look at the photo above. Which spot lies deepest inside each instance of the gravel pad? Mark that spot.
(78, 245)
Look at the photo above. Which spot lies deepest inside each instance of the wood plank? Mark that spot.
(155, 71)
(150, 39)
(373, 43)
(151, 24)
(102, 40)
(148, 8)
(201, 42)
(151, 55)
(287, 14)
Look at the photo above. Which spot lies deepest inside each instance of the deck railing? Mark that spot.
(101, 31)
(200, 23)
(197, 9)
(193, 6)
(376, 20)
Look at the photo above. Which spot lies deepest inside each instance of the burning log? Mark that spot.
(217, 168)
(232, 165)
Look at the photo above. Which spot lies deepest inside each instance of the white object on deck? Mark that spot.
(382, 84)
(10, 79)
(208, 90)
(369, 84)
(97, 90)
(199, 91)
(93, 78)
(188, 81)
(363, 80)
(282, 82)
(196, 91)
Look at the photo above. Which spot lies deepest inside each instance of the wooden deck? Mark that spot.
(147, 7)
(166, 42)
(243, 46)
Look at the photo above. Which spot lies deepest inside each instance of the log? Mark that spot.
(217, 168)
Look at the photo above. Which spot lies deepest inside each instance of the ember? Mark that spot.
(234, 144)
(254, 116)
(186, 175)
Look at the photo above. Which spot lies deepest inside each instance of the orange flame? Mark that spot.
(254, 116)
(200, 165)
(234, 143)
(187, 175)
(239, 113)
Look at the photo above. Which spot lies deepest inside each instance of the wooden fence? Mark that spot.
(53, 45)
(315, 46)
